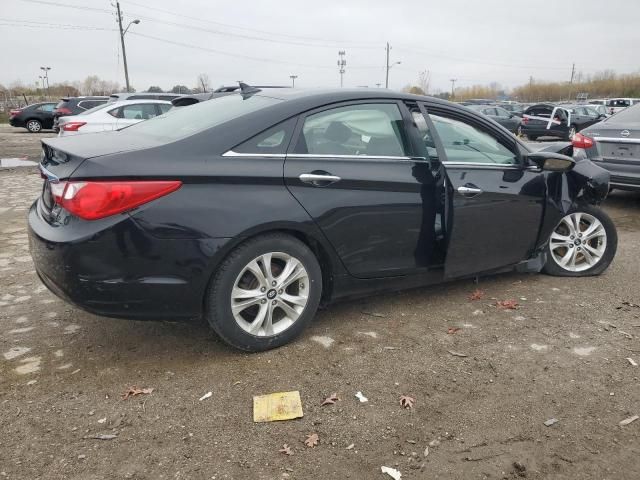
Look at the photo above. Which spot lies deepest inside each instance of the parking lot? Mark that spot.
(485, 380)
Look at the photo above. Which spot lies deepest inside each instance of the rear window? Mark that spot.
(628, 115)
(182, 122)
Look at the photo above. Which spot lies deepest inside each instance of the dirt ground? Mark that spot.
(561, 355)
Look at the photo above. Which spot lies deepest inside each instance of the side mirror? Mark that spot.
(551, 162)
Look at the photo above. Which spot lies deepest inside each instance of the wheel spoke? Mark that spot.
(576, 218)
(596, 229)
(238, 307)
(288, 310)
(263, 313)
(257, 272)
(295, 276)
(294, 299)
(574, 256)
(239, 293)
(587, 256)
(288, 271)
(555, 236)
(265, 263)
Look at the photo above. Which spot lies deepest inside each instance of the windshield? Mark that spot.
(185, 121)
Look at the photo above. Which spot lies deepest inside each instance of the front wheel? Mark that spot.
(583, 243)
(265, 293)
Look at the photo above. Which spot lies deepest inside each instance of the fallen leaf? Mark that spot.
(507, 304)
(311, 440)
(330, 400)
(456, 354)
(392, 472)
(133, 391)
(426, 452)
(477, 295)
(627, 421)
(286, 450)
(406, 401)
(453, 330)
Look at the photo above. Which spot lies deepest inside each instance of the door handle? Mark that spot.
(469, 191)
(319, 179)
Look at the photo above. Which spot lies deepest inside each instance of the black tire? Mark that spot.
(33, 126)
(218, 302)
(553, 268)
(533, 138)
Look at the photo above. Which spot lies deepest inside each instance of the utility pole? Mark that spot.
(530, 87)
(453, 87)
(293, 80)
(386, 80)
(573, 73)
(341, 64)
(124, 52)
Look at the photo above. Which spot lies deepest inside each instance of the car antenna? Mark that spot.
(247, 90)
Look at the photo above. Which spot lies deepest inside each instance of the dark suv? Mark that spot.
(34, 117)
(74, 106)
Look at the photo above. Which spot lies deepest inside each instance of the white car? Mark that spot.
(616, 105)
(112, 116)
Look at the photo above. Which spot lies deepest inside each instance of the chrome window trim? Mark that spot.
(616, 139)
(377, 157)
(496, 166)
(231, 153)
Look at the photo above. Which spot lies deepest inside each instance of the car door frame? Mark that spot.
(522, 165)
(426, 275)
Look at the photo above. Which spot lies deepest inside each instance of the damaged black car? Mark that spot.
(252, 209)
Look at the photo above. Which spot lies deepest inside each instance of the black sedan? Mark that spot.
(510, 121)
(252, 209)
(614, 144)
(560, 121)
(34, 118)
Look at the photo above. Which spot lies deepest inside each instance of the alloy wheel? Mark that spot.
(34, 126)
(270, 294)
(578, 242)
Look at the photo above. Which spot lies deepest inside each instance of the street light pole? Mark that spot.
(124, 52)
(389, 67)
(453, 88)
(293, 80)
(46, 77)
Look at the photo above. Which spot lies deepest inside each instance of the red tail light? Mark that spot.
(582, 141)
(14, 112)
(525, 120)
(72, 126)
(63, 111)
(93, 200)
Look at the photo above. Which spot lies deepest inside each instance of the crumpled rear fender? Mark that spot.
(585, 183)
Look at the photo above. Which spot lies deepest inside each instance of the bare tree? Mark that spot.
(203, 82)
(424, 81)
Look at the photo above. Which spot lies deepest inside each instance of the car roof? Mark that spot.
(121, 103)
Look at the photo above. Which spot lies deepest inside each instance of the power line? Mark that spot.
(31, 24)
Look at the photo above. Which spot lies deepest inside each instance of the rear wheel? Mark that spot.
(583, 243)
(265, 293)
(34, 126)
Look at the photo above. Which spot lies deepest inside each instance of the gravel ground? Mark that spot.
(562, 354)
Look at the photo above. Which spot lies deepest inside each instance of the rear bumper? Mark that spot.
(121, 270)
(624, 175)
(14, 122)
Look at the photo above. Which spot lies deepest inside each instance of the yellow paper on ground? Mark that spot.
(277, 406)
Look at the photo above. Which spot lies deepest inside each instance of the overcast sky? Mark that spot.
(265, 41)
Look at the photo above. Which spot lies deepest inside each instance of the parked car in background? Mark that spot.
(507, 119)
(252, 209)
(515, 108)
(112, 116)
(601, 109)
(114, 97)
(614, 144)
(190, 99)
(598, 101)
(560, 121)
(616, 105)
(74, 106)
(35, 117)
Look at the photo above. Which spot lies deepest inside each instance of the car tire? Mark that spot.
(566, 249)
(33, 126)
(252, 308)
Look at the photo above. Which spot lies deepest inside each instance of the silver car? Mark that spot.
(614, 144)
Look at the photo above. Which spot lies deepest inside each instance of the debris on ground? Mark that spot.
(361, 397)
(277, 406)
(632, 362)
(551, 421)
(374, 314)
(205, 396)
(330, 400)
(629, 420)
(406, 401)
(392, 472)
(434, 443)
(507, 304)
(520, 469)
(457, 354)
(477, 295)
(134, 391)
(311, 440)
(286, 450)
(453, 330)
(426, 452)
(105, 436)
(350, 446)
